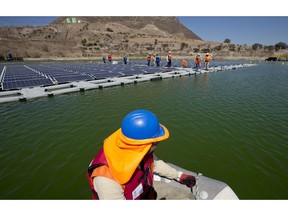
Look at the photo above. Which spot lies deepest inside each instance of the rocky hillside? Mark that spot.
(93, 37)
(158, 26)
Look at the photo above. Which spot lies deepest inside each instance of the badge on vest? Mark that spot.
(138, 191)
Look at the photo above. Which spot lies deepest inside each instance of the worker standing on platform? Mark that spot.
(149, 59)
(197, 62)
(110, 58)
(104, 59)
(169, 59)
(184, 63)
(124, 166)
(158, 60)
(125, 60)
(153, 58)
(207, 60)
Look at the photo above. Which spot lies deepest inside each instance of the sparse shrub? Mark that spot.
(232, 47)
(45, 48)
(26, 55)
(109, 29)
(60, 54)
(84, 41)
(218, 48)
(256, 46)
(36, 55)
(280, 45)
(205, 50)
(227, 40)
(183, 46)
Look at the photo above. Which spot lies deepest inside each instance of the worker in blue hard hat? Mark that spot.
(124, 166)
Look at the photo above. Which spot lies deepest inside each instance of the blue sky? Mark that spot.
(248, 30)
(25, 20)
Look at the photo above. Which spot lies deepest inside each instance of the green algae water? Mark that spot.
(231, 126)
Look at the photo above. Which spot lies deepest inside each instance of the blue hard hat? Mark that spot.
(141, 124)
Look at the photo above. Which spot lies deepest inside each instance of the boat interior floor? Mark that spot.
(165, 192)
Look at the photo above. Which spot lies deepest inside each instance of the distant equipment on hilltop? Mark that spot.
(70, 20)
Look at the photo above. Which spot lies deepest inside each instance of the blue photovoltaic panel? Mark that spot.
(20, 76)
(25, 83)
(1, 68)
(62, 73)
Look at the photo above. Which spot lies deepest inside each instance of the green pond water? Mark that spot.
(231, 126)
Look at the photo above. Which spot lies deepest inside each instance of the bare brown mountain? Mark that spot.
(169, 25)
(93, 37)
(96, 36)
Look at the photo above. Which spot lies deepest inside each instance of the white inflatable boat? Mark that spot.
(205, 188)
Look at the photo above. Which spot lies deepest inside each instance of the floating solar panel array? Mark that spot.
(45, 74)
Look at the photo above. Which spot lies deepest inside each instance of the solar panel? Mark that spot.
(19, 76)
(17, 84)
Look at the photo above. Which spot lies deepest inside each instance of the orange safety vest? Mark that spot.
(207, 58)
(169, 56)
(197, 60)
(184, 63)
